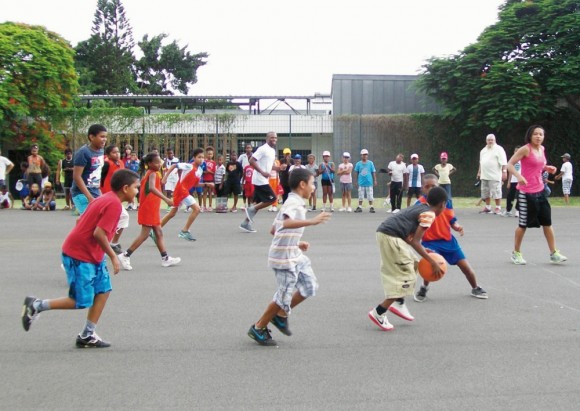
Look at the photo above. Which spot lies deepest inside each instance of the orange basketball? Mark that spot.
(426, 270)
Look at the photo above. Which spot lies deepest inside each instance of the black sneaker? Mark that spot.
(479, 293)
(358, 210)
(421, 295)
(372, 210)
(117, 249)
(29, 314)
(92, 341)
(281, 324)
(262, 336)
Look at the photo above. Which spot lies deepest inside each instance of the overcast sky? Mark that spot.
(284, 48)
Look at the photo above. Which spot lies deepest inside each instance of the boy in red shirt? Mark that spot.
(248, 186)
(83, 259)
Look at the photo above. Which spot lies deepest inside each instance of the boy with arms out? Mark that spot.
(83, 255)
(398, 264)
(291, 267)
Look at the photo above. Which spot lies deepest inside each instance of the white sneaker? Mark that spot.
(380, 320)
(396, 211)
(341, 210)
(169, 261)
(401, 310)
(125, 262)
(517, 214)
(349, 210)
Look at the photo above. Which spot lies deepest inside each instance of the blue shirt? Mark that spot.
(92, 162)
(365, 173)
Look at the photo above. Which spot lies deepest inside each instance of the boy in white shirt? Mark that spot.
(567, 176)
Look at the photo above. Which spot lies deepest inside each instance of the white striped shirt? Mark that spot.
(284, 253)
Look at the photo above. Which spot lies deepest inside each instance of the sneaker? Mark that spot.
(389, 211)
(517, 214)
(401, 310)
(274, 209)
(153, 236)
(66, 207)
(479, 293)
(125, 262)
(380, 320)
(397, 210)
(92, 341)
(186, 235)
(233, 210)
(371, 210)
(29, 314)
(247, 227)
(358, 210)
(421, 295)
(507, 214)
(251, 213)
(517, 258)
(557, 258)
(349, 210)
(117, 249)
(332, 209)
(262, 336)
(485, 211)
(497, 211)
(209, 209)
(341, 210)
(281, 323)
(170, 261)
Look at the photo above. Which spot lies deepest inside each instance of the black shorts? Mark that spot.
(414, 190)
(535, 210)
(326, 183)
(232, 187)
(264, 194)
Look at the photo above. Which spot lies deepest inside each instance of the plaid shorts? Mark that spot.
(301, 278)
(567, 186)
(365, 191)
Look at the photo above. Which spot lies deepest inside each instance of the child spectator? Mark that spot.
(45, 173)
(5, 167)
(172, 178)
(443, 171)
(148, 214)
(208, 179)
(326, 170)
(33, 197)
(274, 182)
(284, 172)
(438, 238)
(297, 163)
(46, 201)
(511, 183)
(134, 165)
(64, 175)
(413, 178)
(234, 172)
(220, 173)
(248, 186)
(398, 264)
(83, 259)
(567, 177)
(22, 185)
(313, 168)
(190, 175)
(291, 267)
(367, 179)
(345, 177)
(6, 199)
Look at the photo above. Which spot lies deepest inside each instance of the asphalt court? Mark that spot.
(179, 334)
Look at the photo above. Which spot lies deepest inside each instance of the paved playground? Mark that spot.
(179, 334)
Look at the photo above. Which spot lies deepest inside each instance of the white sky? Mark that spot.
(283, 48)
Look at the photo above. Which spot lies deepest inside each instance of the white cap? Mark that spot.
(326, 153)
(364, 151)
(346, 154)
(414, 155)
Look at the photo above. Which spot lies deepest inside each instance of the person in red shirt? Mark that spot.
(248, 186)
(148, 214)
(208, 179)
(83, 258)
(190, 176)
(439, 239)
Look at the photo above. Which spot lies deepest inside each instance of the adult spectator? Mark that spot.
(285, 163)
(64, 176)
(492, 171)
(244, 159)
(397, 172)
(5, 167)
(35, 164)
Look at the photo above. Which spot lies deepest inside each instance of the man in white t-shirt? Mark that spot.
(263, 162)
(492, 171)
(567, 176)
(5, 167)
(397, 172)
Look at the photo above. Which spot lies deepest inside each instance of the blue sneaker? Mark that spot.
(262, 336)
(281, 324)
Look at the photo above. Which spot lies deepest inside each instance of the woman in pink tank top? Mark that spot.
(533, 205)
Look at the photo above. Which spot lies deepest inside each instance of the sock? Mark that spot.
(323, 206)
(381, 310)
(41, 305)
(128, 252)
(114, 244)
(89, 329)
(488, 207)
(164, 255)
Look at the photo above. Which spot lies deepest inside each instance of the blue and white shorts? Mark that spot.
(365, 192)
(86, 280)
(567, 186)
(301, 278)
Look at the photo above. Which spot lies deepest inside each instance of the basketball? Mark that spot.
(427, 272)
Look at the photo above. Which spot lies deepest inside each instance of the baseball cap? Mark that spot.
(566, 155)
(34, 145)
(48, 184)
(443, 154)
(364, 151)
(298, 157)
(326, 153)
(414, 155)
(287, 151)
(346, 154)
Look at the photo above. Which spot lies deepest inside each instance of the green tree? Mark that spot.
(523, 68)
(105, 61)
(164, 69)
(37, 82)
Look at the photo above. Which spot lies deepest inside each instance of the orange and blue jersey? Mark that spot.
(441, 227)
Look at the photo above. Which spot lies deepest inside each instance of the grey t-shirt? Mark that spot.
(403, 224)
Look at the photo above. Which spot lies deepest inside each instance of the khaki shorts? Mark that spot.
(491, 189)
(398, 266)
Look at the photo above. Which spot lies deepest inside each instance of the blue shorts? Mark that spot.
(81, 203)
(450, 250)
(86, 280)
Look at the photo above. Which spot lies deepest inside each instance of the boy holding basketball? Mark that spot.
(396, 236)
(439, 239)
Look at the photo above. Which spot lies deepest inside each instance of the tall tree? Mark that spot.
(106, 59)
(522, 68)
(164, 69)
(37, 81)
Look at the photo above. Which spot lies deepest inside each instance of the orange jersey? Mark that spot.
(187, 181)
(441, 227)
(149, 203)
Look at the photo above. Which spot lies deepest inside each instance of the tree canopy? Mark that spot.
(37, 80)
(522, 68)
